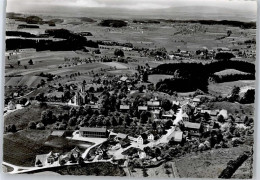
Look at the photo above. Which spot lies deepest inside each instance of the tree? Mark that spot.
(249, 97)
(47, 117)
(144, 117)
(32, 125)
(38, 163)
(166, 104)
(18, 63)
(30, 62)
(229, 32)
(224, 56)
(221, 118)
(235, 94)
(119, 52)
(145, 174)
(145, 76)
(40, 97)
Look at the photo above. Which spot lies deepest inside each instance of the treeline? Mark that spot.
(232, 77)
(193, 76)
(113, 23)
(245, 25)
(71, 42)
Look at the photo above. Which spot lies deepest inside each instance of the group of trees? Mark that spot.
(193, 76)
(246, 98)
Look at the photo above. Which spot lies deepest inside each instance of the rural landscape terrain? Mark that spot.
(138, 97)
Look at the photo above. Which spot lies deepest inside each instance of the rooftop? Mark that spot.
(90, 129)
(192, 125)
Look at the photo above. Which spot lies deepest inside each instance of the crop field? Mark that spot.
(155, 78)
(30, 81)
(225, 88)
(115, 65)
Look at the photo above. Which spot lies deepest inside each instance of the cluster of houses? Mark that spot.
(57, 159)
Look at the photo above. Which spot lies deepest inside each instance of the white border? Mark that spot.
(256, 174)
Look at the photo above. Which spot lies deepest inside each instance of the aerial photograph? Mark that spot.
(130, 88)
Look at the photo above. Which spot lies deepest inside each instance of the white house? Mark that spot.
(150, 137)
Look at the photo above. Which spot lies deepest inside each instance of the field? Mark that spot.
(207, 164)
(233, 108)
(26, 144)
(155, 78)
(225, 88)
(229, 72)
(22, 117)
(29, 81)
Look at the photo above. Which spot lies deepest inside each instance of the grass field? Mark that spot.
(233, 108)
(229, 72)
(155, 78)
(208, 164)
(30, 81)
(21, 148)
(225, 88)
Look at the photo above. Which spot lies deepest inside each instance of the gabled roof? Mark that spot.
(185, 115)
(196, 100)
(123, 78)
(143, 108)
(122, 136)
(90, 129)
(191, 125)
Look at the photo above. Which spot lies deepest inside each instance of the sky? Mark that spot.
(16, 5)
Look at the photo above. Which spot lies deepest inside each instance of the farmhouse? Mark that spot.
(193, 128)
(75, 152)
(47, 159)
(93, 132)
(176, 135)
(120, 136)
(196, 101)
(224, 113)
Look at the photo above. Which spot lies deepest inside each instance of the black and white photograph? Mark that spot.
(130, 88)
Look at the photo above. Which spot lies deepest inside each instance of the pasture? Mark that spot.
(224, 89)
(155, 78)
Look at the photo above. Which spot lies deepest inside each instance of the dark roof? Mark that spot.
(90, 129)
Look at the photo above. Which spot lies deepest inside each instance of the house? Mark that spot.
(123, 79)
(196, 101)
(120, 136)
(156, 113)
(150, 137)
(47, 159)
(178, 136)
(177, 103)
(224, 113)
(141, 154)
(75, 152)
(11, 105)
(210, 112)
(142, 108)
(93, 132)
(193, 128)
(142, 139)
(153, 104)
(187, 108)
(185, 117)
(124, 108)
(58, 133)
